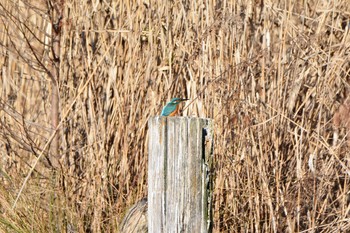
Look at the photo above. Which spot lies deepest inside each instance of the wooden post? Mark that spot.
(179, 175)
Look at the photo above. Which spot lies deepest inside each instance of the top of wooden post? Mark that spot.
(179, 175)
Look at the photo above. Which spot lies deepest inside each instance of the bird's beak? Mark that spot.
(184, 99)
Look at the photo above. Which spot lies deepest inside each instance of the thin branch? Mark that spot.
(60, 124)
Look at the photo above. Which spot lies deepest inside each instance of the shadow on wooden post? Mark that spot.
(179, 175)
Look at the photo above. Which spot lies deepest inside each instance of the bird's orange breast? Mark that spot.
(174, 113)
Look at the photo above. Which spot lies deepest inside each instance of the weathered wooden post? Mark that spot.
(179, 175)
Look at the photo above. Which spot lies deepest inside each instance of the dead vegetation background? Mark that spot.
(274, 76)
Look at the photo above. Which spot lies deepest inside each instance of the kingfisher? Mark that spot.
(172, 108)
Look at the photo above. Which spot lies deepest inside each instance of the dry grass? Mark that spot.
(271, 75)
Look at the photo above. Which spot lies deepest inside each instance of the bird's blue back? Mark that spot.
(168, 109)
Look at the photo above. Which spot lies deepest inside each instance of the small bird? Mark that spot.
(172, 108)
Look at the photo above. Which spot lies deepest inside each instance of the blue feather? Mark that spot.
(169, 108)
